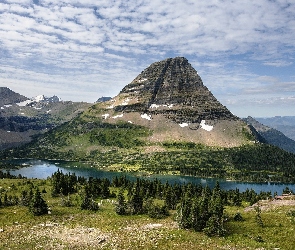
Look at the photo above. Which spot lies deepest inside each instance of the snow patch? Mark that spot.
(142, 80)
(206, 127)
(146, 116)
(183, 124)
(130, 122)
(7, 106)
(117, 116)
(48, 111)
(154, 106)
(2, 107)
(39, 98)
(105, 116)
(170, 106)
(24, 103)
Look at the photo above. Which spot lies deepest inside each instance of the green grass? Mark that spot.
(71, 228)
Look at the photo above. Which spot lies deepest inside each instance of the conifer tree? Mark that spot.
(184, 213)
(121, 206)
(214, 226)
(37, 204)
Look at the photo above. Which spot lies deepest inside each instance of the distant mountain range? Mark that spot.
(22, 117)
(285, 124)
(271, 136)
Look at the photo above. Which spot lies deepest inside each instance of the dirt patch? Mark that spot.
(266, 205)
(61, 237)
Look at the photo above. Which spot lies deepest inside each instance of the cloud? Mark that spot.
(109, 43)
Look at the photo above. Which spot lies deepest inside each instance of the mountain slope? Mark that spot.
(21, 117)
(272, 136)
(285, 124)
(166, 103)
(169, 98)
(8, 97)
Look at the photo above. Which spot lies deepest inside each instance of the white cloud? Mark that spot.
(109, 43)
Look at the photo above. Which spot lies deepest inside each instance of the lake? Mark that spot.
(42, 169)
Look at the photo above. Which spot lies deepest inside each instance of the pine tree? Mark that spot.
(214, 226)
(37, 204)
(258, 216)
(184, 213)
(237, 201)
(121, 206)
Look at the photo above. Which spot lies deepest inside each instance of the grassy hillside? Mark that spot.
(124, 147)
(69, 227)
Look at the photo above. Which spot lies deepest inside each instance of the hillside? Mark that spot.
(164, 121)
(7, 97)
(285, 124)
(272, 136)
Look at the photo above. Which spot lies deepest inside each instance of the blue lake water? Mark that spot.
(42, 169)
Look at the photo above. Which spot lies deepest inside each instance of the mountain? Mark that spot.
(22, 118)
(272, 136)
(170, 99)
(285, 124)
(166, 103)
(164, 121)
(8, 97)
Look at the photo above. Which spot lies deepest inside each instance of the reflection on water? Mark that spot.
(42, 169)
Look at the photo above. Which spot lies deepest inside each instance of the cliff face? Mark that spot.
(172, 87)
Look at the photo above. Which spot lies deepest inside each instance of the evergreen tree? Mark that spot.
(258, 218)
(237, 200)
(184, 213)
(37, 204)
(214, 226)
(121, 206)
(87, 201)
(136, 202)
(195, 215)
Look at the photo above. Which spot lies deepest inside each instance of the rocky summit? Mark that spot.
(172, 87)
(169, 98)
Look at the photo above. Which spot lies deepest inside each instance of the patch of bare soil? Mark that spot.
(61, 237)
(271, 204)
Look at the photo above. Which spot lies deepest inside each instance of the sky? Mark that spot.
(81, 50)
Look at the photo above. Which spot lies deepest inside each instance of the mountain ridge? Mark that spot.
(8, 97)
(272, 136)
(22, 118)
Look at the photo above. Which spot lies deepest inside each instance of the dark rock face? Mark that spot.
(176, 86)
(7, 96)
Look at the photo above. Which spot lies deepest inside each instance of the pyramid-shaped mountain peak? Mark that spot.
(174, 88)
(170, 99)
